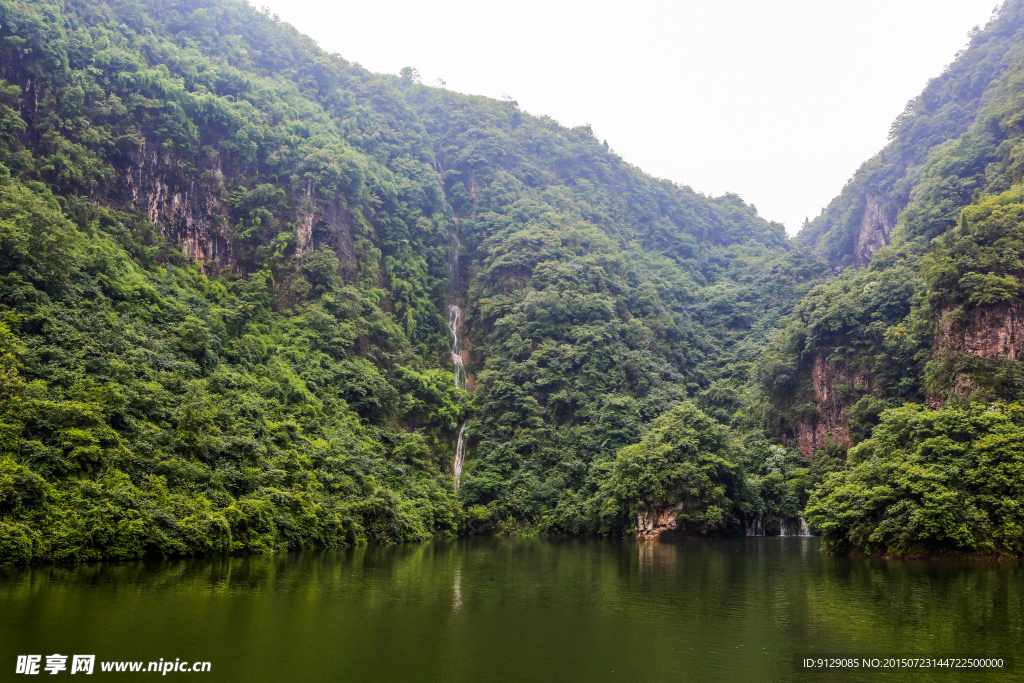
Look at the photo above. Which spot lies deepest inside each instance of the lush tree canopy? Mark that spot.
(226, 264)
(687, 463)
(930, 481)
(227, 260)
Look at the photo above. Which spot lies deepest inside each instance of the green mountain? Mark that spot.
(226, 266)
(932, 318)
(955, 106)
(254, 297)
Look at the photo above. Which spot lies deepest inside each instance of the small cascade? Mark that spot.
(454, 325)
(794, 528)
(454, 322)
(460, 455)
(755, 527)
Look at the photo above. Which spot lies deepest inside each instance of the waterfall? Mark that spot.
(454, 322)
(788, 527)
(460, 455)
(454, 312)
(794, 528)
(755, 527)
(454, 325)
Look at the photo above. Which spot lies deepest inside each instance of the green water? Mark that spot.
(517, 610)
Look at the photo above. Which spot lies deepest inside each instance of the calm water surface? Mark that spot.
(518, 610)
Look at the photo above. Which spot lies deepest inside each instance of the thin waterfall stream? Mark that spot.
(454, 322)
(454, 325)
(460, 455)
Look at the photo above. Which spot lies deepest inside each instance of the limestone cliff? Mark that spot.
(875, 228)
(190, 208)
(991, 333)
(187, 208)
(660, 519)
(833, 391)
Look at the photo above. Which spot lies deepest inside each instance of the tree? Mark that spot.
(930, 482)
(410, 76)
(686, 465)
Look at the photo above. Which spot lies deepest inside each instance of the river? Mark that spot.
(518, 610)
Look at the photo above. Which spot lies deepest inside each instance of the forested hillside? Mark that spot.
(226, 264)
(914, 360)
(596, 299)
(232, 267)
(966, 96)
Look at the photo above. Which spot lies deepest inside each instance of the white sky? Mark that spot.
(777, 100)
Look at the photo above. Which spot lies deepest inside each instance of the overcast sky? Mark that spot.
(779, 101)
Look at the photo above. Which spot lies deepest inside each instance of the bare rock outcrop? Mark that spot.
(187, 208)
(875, 229)
(832, 383)
(991, 332)
(651, 524)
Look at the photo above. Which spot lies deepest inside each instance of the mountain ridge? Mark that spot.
(228, 263)
(226, 277)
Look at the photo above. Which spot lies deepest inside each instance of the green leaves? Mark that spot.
(687, 463)
(152, 410)
(981, 262)
(38, 244)
(931, 482)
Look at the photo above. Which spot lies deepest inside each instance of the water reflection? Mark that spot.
(517, 609)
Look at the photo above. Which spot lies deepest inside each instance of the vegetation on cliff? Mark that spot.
(925, 164)
(595, 299)
(226, 266)
(227, 260)
(930, 482)
(932, 319)
(159, 410)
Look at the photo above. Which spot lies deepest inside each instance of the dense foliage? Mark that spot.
(595, 300)
(881, 321)
(161, 411)
(931, 319)
(227, 260)
(980, 263)
(686, 463)
(928, 482)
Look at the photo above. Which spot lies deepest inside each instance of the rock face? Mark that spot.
(189, 210)
(328, 223)
(651, 524)
(831, 396)
(992, 332)
(875, 229)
